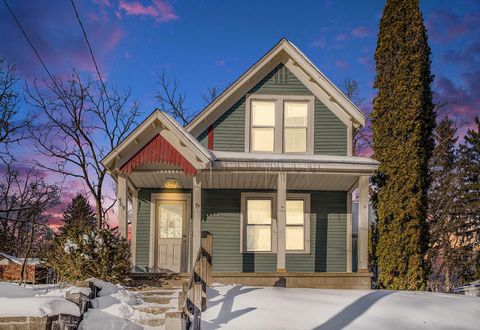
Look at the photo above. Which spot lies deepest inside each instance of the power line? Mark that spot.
(30, 43)
(91, 52)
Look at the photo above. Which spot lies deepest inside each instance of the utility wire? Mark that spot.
(91, 52)
(31, 44)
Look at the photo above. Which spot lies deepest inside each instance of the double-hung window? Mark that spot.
(280, 124)
(263, 126)
(295, 127)
(259, 224)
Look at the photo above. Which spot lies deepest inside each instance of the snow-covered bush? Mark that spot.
(82, 251)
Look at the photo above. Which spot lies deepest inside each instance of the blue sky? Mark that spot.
(210, 43)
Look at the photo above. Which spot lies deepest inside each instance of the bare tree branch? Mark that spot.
(83, 123)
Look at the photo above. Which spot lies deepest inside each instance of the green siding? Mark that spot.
(221, 217)
(229, 130)
(328, 248)
(330, 134)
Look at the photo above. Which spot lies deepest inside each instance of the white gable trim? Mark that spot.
(158, 123)
(317, 82)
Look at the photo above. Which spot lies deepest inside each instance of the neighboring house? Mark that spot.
(267, 168)
(10, 268)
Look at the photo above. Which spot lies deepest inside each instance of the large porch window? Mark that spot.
(259, 224)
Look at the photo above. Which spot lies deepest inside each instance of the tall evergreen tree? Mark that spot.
(470, 193)
(403, 120)
(443, 254)
(78, 216)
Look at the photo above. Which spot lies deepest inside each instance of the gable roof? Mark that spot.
(287, 53)
(170, 130)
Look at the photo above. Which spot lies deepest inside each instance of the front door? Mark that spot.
(171, 234)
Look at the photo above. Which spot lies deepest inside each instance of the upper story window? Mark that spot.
(263, 126)
(280, 124)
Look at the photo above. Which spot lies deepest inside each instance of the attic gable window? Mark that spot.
(279, 124)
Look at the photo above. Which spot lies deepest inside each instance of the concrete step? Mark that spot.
(158, 299)
(157, 293)
(151, 322)
(153, 310)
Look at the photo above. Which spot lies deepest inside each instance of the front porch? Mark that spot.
(214, 203)
(269, 215)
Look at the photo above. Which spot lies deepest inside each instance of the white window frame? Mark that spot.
(273, 197)
(306, 222)
(243, 220)
(279, 121)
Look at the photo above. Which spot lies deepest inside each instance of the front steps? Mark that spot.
(160, 295)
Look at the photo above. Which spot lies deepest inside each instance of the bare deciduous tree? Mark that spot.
(11, 129)
(25, 198)
(171, 100)
(83, 122)
(211, 94)
(361, 137)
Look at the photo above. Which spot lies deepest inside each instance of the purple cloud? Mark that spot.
(444, 26)
(161, 11)
(55, 33)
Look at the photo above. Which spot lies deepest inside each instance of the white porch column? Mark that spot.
(133, 242)
(363, 197)
(349, 230)
(196, 215)
(281, 220)
(122, 200)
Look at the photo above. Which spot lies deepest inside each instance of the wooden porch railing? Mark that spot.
(194, 293)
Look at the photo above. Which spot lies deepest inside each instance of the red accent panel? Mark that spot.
(157, 151)
(210, 137)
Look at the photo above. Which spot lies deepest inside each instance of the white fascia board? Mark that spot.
(240, 81)
(198, 154)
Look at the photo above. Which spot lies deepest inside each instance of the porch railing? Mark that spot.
(194, 293)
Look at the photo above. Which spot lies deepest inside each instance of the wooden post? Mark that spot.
(363, 196)
(281, 220)
(122, 200)
(207, 244)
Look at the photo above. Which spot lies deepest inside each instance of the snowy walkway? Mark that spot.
(238, 307)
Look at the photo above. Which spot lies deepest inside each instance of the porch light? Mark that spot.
(171, 183)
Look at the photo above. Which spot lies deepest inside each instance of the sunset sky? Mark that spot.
(210, 43)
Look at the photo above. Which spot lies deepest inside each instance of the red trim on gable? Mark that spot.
(157, 151)
(210, 137)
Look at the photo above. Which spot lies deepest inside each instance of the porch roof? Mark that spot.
(292, 162)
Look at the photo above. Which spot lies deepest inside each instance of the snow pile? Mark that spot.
(63, 292)
(8, 290)
(239, 307)
(113, 309)
(18, 301)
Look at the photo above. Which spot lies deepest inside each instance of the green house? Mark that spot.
(267, 168)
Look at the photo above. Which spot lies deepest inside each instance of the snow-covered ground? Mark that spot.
(240, 307)
(19, 301)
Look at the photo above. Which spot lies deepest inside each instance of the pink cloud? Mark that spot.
(341, 64)
(320, 42)
(162, 11)
(361, 32)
